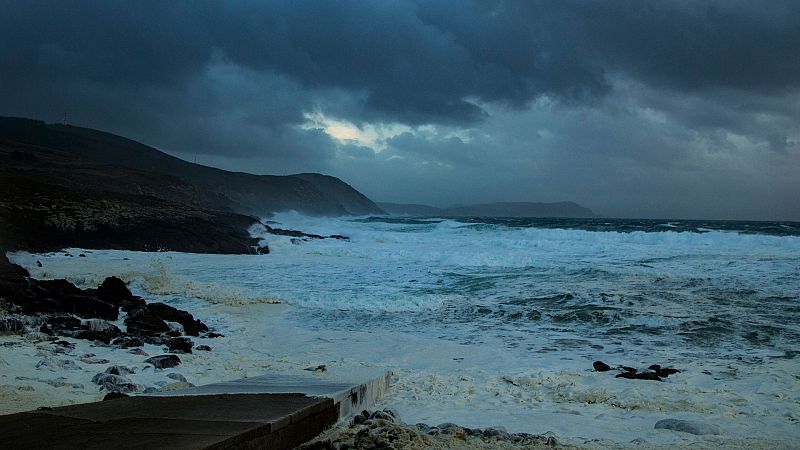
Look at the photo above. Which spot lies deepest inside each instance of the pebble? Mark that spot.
(687, 426)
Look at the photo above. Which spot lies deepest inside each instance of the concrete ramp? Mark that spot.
(272, 411)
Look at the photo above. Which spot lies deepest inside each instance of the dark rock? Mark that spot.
(600, 366)
(61, 296)
(114, 291)
(191, 326)
(687, 426)
(115, 395)
(180, 345)
(119, 370)
(203, 348)
(126, 341)
(145, 322)
(104, 335)
(164, 361)
(663, 372)
(11, 326)
(639, 376)
(628, 369)
(138, 351)
(115, 383)
(65, 344)
(319, 369)
(212, 334)
(134, 302)
(176, 376)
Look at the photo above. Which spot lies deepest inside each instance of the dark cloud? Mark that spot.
(614, 103)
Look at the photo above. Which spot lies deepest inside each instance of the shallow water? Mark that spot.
(489, 322)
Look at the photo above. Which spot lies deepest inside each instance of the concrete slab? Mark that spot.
(272, 411)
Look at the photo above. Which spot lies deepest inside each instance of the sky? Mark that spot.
(662, 108)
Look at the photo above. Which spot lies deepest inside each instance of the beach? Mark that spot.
(463, 349)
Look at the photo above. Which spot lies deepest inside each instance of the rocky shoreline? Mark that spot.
(51, 311)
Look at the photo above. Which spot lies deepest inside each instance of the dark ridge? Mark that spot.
(63, 186)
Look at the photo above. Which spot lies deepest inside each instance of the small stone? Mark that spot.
(203, 348)
(176, 376)
(91, 360)
(138, 351)
(687, 426)
(600, 366)
(163, 361)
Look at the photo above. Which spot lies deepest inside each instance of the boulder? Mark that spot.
(163, 361)
(116, 383)
(191, 326)
(180, 345)
(113, 290)
(600, 366)
(652, 376)
(687, 426)
(145, 322)
(126, 341)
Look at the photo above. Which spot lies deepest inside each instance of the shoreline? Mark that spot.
(286, 346)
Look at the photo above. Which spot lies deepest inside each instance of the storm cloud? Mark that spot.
(633, 108)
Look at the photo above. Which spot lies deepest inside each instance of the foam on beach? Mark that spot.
(482, 325)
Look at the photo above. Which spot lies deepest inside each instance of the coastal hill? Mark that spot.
(503, 209)
(62, 185)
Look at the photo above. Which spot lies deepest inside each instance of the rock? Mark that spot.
(628, 369)
(65, 344)
(57, 364)
(203, 348)
(319, 369)
(180, 345)
(138, 351)
(600, 366)
(145, 322)
(115, 395)
(212, 334)
(687, 426)
(191, 326)
(91, 360)
(114, 291)
(176, 376)
(116, 383)
(126, 341)
(382, 415)
(663, 372)
(164, 361)
(119, 370)
(11, 325)
(448, 428)
(639, 376)
(99, 330)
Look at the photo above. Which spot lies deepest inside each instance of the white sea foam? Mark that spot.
(490, 325)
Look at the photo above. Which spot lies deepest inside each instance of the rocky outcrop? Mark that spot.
(59, 308)
(653, 373)
(70, 186)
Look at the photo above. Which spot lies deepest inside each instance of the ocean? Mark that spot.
(490, 322)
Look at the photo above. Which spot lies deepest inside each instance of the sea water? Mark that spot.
(497, 321)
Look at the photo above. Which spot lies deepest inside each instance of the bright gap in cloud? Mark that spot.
(374, 136)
